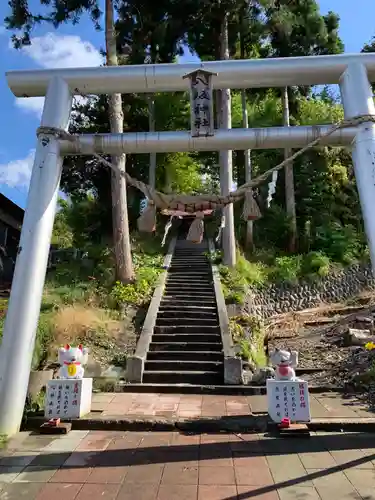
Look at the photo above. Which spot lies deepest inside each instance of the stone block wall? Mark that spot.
(284, 297)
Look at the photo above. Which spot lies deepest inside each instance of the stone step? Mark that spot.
(184, 365)
(172, 287)
(204, 284)
(181, 280)
(190, 260)
(189, 267)
(169, 347)
(185, 266)
(185, 355)
(182, 314)
(188, 329)
(190, 250)
(190, 256)
(201, 322)
(189, 283)
(187, 299)
(187, 377)
(192, 292)
(190, 272)
(181, 263)
(186, 337)
(186, 308)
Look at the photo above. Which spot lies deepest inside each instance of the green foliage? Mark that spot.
(62, 236)
(315, 264)
(147, 271)
(42, 338)
(286, 269)
(251, 346)
(235, 282)
(340, 243)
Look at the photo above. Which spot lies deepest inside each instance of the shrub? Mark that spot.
(287, 269)
(340, 243)
(138, 292)
(315, 264)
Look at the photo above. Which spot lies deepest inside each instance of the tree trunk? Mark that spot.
(124, 265)
(249, 241)
(226, 177)
(151, 127)
(290, 201)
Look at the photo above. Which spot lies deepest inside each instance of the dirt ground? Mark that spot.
(318, 336)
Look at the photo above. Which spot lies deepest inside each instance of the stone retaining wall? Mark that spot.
(280, 298)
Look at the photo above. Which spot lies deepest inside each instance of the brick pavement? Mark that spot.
(168, 465)
(328, 405)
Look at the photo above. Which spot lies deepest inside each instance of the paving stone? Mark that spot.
(65, 491)
(9, 474)
(35, 443)
(71, 475)
(216, 476)
(253, 476)
(110, 475)
(62, 445)
(189, 457)
(286, 468)
(330, 493)
(179, 474)
(103, 397)
(217, 438)
(16, 491)
(366, 493)
(56, 459)
(148, 473)
(36, 474)
(322, 406)
(246, 460)
(318, 460)
(122, 443)
(211, 461)
(215, 492)
(98, 491)
(346, 457)
(138, 491)
(323, 478)
(93, 443)
(298, 493)
(177, 492)
(361, 478)
(257, 492)
(81, 459)
(19, 459)
(155, 440)
(185, 439)
(215, 454)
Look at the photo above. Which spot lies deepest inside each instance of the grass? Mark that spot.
(235, 282)
(248, 334)
(82, 304)
(263, 269)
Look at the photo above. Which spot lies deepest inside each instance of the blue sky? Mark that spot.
(79, 46)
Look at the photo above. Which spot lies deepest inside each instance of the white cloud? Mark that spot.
(17, 173)
(54, 51)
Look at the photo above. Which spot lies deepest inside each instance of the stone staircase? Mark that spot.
(186, 345)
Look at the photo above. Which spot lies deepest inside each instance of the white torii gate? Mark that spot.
(352, 72)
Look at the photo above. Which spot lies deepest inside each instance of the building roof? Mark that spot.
(10, 213)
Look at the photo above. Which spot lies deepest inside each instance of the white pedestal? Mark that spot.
(68, 398)
(288, 399)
